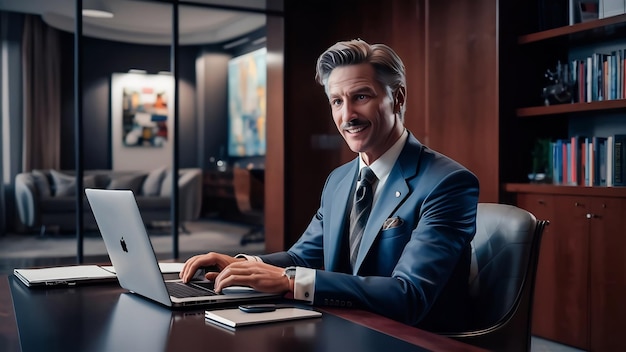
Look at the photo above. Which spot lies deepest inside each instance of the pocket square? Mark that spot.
(391, 223)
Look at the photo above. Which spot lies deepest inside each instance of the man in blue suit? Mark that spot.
(411, 260)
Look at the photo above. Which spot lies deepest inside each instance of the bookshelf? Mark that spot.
(594, 106)
(545, 48)
(581, 273)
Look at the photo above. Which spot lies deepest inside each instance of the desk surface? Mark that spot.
(107, 318)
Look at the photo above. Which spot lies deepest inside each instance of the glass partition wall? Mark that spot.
(148, 101)
(128, 96)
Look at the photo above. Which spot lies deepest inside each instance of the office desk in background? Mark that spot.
(107, 318)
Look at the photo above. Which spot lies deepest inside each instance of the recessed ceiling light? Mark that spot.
(97, 13)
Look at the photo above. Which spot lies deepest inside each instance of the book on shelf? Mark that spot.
(609, 161)
(599, 161)
(576, 165)
(599, 76)
(589, 10)
(619, 160)
(608, 8)
(588, 163)
(595, 161)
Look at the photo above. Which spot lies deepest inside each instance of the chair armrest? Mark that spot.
(27, 199)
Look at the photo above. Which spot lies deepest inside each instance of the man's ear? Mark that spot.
(399, 99)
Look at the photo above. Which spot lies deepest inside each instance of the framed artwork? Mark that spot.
(247, 104)
(141, 120)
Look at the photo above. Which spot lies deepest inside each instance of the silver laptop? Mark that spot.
(132, 255)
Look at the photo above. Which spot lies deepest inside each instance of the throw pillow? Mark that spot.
(131, 182)
(152, 185)
(65, 185)
(166, 184)
(41, 183)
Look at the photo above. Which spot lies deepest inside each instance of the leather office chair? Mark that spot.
(505, 251)
(249, 193)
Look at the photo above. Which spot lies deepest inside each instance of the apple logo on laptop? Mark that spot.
(123, 243)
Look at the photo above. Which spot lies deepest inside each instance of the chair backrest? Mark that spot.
(505, 251)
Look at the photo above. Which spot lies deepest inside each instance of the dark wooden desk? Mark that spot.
(106, 318)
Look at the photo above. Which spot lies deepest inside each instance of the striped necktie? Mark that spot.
(363, 197)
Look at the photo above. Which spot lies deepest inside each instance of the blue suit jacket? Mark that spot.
(416, 272)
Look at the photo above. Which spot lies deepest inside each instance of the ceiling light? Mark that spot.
(96, 9)
(97, 13)
(259, 40)
(236, 43)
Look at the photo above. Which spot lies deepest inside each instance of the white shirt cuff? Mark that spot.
(304, 284)
(250, 258)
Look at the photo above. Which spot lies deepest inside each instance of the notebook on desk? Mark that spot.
(131, 253)
(64, 275)
(72, 275)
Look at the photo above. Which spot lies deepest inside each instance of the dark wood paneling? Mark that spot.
(401, 25)
(462, 87)
(275, 135)
(307, 114)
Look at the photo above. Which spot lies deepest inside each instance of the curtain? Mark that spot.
(41, 65)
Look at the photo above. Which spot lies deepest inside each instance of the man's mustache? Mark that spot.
(353, 123)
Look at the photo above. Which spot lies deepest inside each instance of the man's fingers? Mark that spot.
(211, 275)
(194, 263)
(259, 276)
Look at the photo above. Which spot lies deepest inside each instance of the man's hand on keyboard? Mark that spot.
(217, 260)
(258, 275)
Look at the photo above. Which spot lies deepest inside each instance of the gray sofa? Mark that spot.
(45, 199)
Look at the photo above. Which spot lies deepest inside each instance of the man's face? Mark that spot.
(363, 111)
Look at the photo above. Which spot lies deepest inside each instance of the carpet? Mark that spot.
(21, 250)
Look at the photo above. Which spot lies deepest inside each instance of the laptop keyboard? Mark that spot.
(181, 290)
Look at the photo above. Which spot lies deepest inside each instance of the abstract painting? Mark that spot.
(141, 120)
(246, 104)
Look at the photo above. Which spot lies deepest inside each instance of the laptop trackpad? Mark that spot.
(237, 289)
(206, 285)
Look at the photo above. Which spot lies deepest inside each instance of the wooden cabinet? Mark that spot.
(561, 294)
(581, 276)
(607, 218)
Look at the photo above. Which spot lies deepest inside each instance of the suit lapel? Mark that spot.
(395, 190)
(338, 207)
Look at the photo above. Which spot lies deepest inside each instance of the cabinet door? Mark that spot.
(571, 258)
(560, 310)
(542, 205)
(608, 274)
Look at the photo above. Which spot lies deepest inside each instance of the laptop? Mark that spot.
(132, 255)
